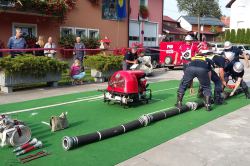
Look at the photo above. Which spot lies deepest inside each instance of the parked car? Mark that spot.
(154, 53)
(217, 48)
(245, 48)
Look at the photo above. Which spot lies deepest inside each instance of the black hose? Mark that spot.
(69, 143)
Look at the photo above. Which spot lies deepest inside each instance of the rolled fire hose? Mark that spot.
(69, 143)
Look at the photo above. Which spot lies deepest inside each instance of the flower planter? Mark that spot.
(101, 76)
(8, 82)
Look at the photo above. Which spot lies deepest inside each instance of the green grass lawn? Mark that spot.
(88, 116)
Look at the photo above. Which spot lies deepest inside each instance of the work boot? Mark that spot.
(208, 103)
(200, 93)
(246, 91)
(179, 100)
(218, 99)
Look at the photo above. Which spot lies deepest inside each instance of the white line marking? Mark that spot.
(90, 98)
(49, 106)
(46, 123)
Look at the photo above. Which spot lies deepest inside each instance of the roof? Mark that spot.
(169, 19)
(174, 30)
(203, 21)
(230, 3)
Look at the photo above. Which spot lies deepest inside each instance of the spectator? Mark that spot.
(77, 72)
(79, 54)
(1, 47)
(39, 44)
(130, 58)
(50, 44)
(16, 42)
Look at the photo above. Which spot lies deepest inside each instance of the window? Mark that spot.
(81, 32)
(134, 38)
(93, 33)
(109, 9)
(27, 29)
(143, 2)
(66, 31)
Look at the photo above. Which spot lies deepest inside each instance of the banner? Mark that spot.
(121, 9)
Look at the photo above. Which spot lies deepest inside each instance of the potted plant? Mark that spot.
(103, 66)
(28, 69)
(91, 43)
(67, 42)
(144, 13)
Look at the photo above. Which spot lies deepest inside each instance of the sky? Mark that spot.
(170, 8)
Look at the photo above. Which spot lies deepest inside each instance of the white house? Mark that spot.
(239, 13)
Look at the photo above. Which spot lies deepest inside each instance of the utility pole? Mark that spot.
(198, 36)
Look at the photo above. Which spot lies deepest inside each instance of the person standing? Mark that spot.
(17, 42)
(200, 68)
(39, 44)
(79, 54)
(52, 46)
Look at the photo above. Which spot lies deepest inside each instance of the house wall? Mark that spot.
(155, 8)
(83, 16)
(240, 14)
(207, 28)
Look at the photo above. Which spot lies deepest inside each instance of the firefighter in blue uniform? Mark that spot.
(200, 68)
(228, 47)
(236, 71)
(218, 99)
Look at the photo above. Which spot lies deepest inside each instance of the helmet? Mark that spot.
(188, 38)
(227, 45)
(238, 67)
(229, 56)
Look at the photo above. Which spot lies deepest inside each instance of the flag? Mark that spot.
(121, 9)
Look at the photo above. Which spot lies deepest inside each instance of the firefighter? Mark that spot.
(198, 67)
(218, 99)
(223, 62)
(228, 47)
(187, 50)
(236, 71)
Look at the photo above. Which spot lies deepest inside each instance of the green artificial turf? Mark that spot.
(88, 116)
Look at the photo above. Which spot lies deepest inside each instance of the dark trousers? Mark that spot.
(201, 74)
(217, 82)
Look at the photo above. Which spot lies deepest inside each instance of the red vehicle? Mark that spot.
(168, 52)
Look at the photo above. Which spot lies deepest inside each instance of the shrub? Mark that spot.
(31, 65)
(104, 63)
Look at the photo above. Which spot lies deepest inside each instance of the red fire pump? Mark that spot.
(127, 87)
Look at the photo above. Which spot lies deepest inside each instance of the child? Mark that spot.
(76, 72)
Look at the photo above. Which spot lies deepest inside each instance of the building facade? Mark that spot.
(239, 14)
(172, 29)
(85, 20)
(145, 30)
(209, 27)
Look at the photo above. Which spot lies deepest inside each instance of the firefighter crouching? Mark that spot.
(200, 68)
(236, 71)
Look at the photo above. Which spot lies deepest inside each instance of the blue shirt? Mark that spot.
(15, 43)
(79, 54)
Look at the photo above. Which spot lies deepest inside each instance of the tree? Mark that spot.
(233, 36)
(227, 35)
(200, 7)
(247, 36)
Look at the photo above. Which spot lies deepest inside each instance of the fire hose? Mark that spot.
(69, 143)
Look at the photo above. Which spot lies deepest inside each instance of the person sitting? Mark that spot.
(76, 72)
(130, 58)
(39, 44)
